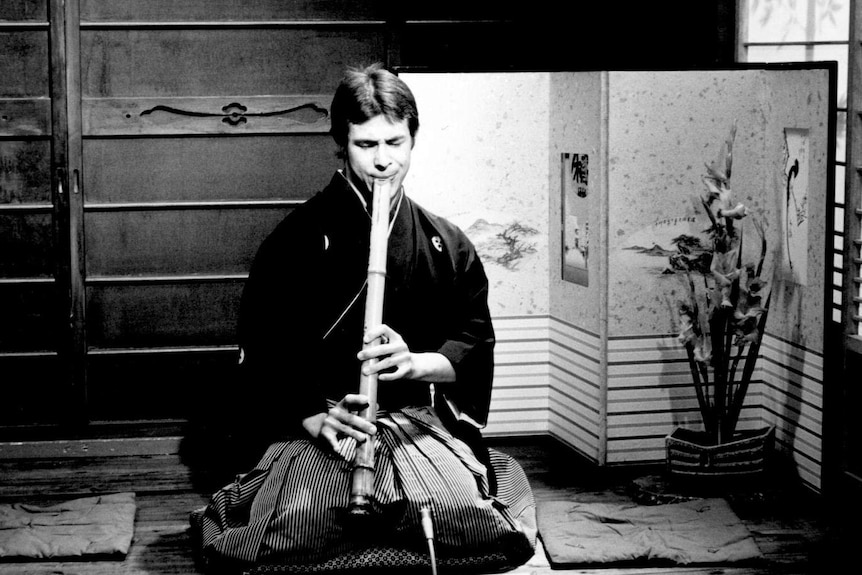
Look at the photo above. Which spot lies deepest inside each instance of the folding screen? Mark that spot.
(573, 186)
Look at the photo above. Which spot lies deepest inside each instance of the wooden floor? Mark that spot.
(798, 532)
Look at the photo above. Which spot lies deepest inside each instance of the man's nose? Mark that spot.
(382, 158)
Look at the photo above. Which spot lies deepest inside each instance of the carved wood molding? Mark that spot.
(205, 115)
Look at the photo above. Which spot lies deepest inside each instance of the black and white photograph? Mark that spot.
(361, 287)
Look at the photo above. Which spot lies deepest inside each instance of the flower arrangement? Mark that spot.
(723, 318)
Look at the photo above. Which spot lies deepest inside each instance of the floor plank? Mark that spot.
(797, 531)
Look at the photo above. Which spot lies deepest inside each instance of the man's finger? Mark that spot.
(351, 426)
(330, 435)
(362, 425)
(355, 401)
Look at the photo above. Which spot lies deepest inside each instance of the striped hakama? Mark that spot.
(291, 509)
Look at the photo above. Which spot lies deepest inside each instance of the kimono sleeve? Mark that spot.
(470, 344)
(277, 352)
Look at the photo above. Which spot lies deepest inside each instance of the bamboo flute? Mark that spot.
(362, 483)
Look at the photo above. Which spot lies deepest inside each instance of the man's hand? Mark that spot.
(341, 421)
(396, 361)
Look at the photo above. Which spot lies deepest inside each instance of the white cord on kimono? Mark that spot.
(347, 309)
(428, 529)
(388, 233)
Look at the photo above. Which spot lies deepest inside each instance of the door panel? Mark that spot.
(211, 168)
(29, 323)
(28, 242)
(196, 141)
(35, 390)
(24, 11)
(178, 242)
(25, 164)
(162, 316)
(222, 62)
(33, 385)
(143, 386)
(25, 116)
(24, 63)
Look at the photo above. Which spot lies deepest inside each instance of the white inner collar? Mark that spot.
(359, 195)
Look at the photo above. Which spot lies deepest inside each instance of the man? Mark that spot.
(301, 334)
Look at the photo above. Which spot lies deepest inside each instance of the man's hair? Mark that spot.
(368, 92)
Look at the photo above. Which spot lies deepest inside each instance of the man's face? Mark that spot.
(379, 149)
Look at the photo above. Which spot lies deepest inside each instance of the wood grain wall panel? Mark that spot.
(222, 62)
(166, 315)
(24, 11)
(180, 242)
(229, 10)
(29, 317)
(23, 63)
(207, 168)
(25, 176)
(25, 116)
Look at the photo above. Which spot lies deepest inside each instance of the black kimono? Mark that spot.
(300, 330)
(298, 352)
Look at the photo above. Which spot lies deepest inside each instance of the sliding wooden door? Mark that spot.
(146, 150)
(35, 381)
(202, 125)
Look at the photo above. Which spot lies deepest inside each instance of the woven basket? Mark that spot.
(689, 455)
